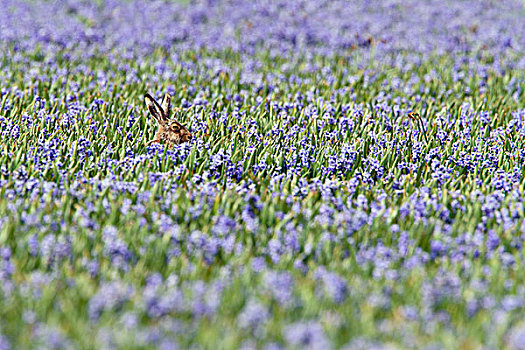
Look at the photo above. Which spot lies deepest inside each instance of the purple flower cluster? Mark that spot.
(309, 183)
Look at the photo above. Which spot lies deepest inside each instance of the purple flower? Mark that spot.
(253, 316)
(516, 337)
(280, 286)
(258, 264)
(4, 343)
(116, 249)
(332, 285)
(306, 335)
(110, 296)
(49, 337)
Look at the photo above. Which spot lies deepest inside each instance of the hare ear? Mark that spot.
(166, 104)
(154, 108)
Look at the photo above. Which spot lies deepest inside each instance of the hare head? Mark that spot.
(170, 131)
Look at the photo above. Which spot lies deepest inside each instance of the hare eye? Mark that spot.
(174, 128)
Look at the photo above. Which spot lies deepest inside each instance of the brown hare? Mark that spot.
(170, 131)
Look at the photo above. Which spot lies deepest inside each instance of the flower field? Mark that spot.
(355, 179)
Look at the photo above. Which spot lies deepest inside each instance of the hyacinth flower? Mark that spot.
(320, 213)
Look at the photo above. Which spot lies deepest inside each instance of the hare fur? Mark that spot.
(170, 131)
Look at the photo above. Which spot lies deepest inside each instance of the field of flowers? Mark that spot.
(356, 177)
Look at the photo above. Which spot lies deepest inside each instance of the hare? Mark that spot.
(170, 131)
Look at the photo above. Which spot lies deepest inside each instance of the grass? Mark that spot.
(71, 181)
